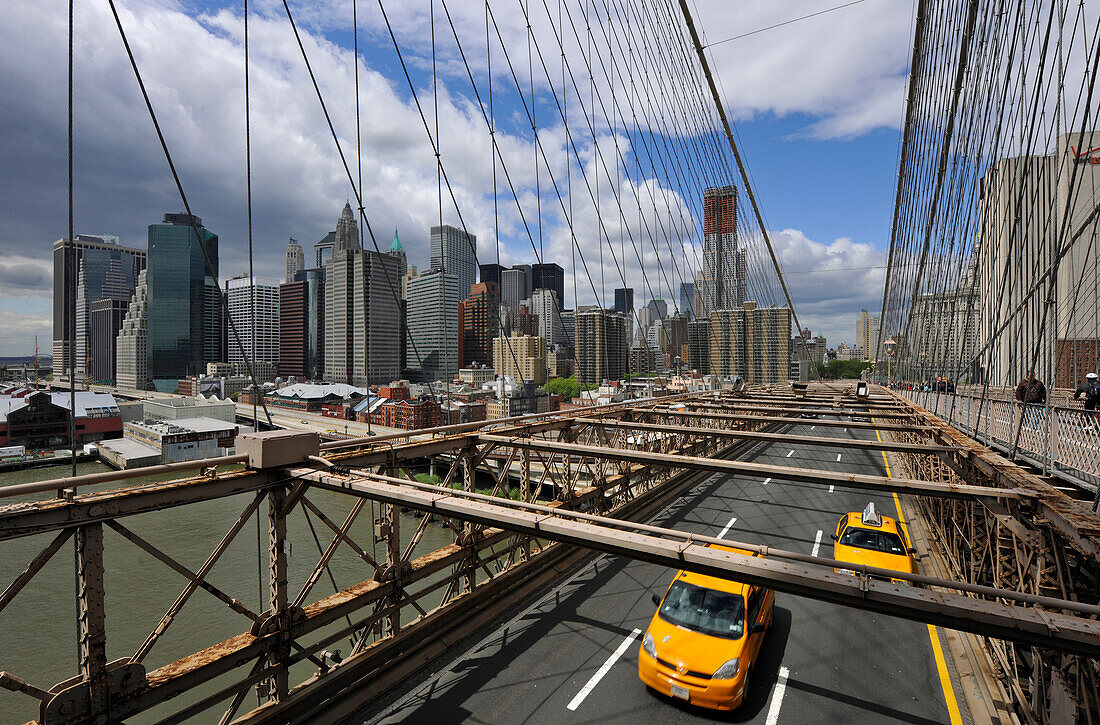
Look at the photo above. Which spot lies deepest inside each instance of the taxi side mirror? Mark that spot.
(757, 628)
(656, 599)
(912, 550)
(834, 537)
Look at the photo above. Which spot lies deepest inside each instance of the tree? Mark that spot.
(843, 369)
(567, 388)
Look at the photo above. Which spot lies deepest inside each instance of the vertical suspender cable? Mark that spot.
(71, 279)
(740, 165)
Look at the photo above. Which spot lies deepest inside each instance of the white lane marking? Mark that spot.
(830, 488)
(790, 453)
(766, 481)
(576, 701)
(726, 528)
(812, 427)
(817, 543)
(777, 696)
(838, 457)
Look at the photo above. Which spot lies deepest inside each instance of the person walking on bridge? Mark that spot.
(1031, 390)
(1091, 390)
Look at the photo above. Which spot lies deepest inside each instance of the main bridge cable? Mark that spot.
(186, 205)
(741, 168)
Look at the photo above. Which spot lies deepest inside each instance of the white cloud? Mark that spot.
(831, 283)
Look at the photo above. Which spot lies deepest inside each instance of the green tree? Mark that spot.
(842, 369)
(567, 387)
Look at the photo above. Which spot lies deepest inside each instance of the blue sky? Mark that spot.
(817, 106)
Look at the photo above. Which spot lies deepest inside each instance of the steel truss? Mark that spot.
(1024, 556)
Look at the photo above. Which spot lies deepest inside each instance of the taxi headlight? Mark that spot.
(727, 671)
(649, 645)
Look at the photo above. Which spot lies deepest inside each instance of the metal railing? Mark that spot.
(1063, 441)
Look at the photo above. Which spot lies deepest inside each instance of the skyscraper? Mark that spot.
(549, 276)
(106, 320)
(453, 250)
(479, 324)
(513, 288)
(295, 259)
(624, 301)
(751, 341)
(867, 334)
(544, 304)
(186, 325)
(254, 310)
(362, 310)
(322, 250)
(398, 252)
(432, 317)
(132, 344)
(687, 299)
(491, 272)
(301, 325)
(602, 348)
(723, 262)
(110, 272)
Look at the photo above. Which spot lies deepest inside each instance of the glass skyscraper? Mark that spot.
(186, 327)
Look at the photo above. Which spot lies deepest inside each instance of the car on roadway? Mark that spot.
(704, 638)
(871, 539)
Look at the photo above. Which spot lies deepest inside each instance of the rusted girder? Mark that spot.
(806, 475)
(1074, 634)
(777, 437)
(830, 411)
(788, 420)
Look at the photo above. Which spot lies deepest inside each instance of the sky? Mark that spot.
(817, 105)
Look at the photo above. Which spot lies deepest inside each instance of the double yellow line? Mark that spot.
(933, 634)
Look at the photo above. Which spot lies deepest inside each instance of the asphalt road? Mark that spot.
(819, 663)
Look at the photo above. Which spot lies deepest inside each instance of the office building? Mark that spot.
(751, 342)
(455, 252)
(602, 347)
(362, 310)
(295, 259)
(544, 305)
(867, 334)
(549, 276)
(301, 325)
(943, 333)
(569, 329)
(432, 314)
(186, 325)
(479, 323)
(522, 357)
(1033, 209)
(674, 340)
(254, 316)
(724, 266)
(513, 288)
(322, 250)
(110, 272)
(687, 299)
(492, 273)
(132, 343)
(398, 252)
(659, 307)
(699, 345)
(624, 301)
(106, 316)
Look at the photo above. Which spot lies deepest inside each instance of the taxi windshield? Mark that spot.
(718, 614)
(883, 541)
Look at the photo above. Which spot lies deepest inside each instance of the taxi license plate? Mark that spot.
(680, 692)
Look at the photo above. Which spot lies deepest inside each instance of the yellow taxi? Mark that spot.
(704, 638)
(872, 539)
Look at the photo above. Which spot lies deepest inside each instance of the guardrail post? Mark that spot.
(469, 565)
(392, 530)
(92, 617)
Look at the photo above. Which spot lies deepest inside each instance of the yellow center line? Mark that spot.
(933, 634)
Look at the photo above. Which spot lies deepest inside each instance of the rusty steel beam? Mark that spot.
(1053, 630)
(830, 411)
(788, 420)
(776, 437)
(806, 475)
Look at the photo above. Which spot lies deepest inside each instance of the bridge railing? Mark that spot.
(1064, 441)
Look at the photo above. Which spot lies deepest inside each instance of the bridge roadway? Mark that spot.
(819, 662)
